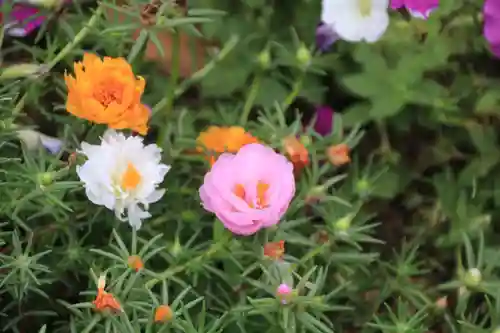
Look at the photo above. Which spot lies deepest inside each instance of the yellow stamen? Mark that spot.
(131, 177)
(239, 191)
(365, 7)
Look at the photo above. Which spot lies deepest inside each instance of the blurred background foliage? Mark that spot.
(403, 239)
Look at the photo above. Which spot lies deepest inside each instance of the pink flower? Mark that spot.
(250, 190)
(283, 292)
(492, 25)
(417, 8)
(324, 120)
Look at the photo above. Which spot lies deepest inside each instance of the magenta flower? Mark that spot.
(492, 25)
(250, 190)
(23, 19)
(417, 8)
(324, 120)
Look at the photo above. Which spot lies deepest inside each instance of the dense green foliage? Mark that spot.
(403, 239)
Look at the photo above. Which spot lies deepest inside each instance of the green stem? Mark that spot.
(297, 86)
(197, 76)
(68, 48)
(254, 90)
(170, 95)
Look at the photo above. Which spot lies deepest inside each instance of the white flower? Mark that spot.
(357, 20)
(123, 174)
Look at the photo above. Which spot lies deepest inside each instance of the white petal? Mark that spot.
(155, 196)
(52, 144)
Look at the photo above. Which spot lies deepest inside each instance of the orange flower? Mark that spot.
(274, 250)
(105, 301)
(163, 314)
(217, 140)
(338, 154)
(107, 92)
(297, 152)
(135, 262)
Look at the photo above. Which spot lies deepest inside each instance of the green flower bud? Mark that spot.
(304, 56)
(344, 223)
(472, 277)
(363, 187)
(21, 71)
(45, 178)
(305, 140)
(189, 216)
(264, 59)
(176, 249)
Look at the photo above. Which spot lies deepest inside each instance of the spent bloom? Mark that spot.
(123, 174)
(106, 91)
(417, 8)
(274, 250)
(104, 300)
(325, 36)
(297, 152)
(34, 139)
(356, 20)
(491, 12)
(249, 190)
(217, 140)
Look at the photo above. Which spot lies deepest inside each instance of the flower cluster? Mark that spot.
(367, 20)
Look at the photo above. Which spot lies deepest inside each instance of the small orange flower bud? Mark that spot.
(163, 314)
(297, 152)
(135, 262)
(105, 301)
(442, 303)
(338, 154)
(274, 250)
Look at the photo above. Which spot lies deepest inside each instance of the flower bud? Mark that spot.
(343, 224)
(20, 71)
(45, 178)
(264, 59)
(284, 292)
(163, 314)
(176, 249)
(472, 277)
(363, 187)
(303, 56)
(135, 262)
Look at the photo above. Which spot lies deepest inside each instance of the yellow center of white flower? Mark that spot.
(130, 178)
(365, 7)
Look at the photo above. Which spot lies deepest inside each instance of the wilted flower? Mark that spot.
(135, 262)
(19, 71)
(354, 21)
(107, 92)
(217, 140)
(104, 300)
(163, 314)
(250, 190)
(417, 8)
(491, 12)
(274, 250)
(34, 139)
(123, 174)
(338, 154)
(297, 152)
(283, 292)
(325, 36)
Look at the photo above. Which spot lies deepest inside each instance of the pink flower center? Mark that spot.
(239, 191)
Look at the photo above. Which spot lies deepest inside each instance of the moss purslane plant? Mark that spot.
(249, 166)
